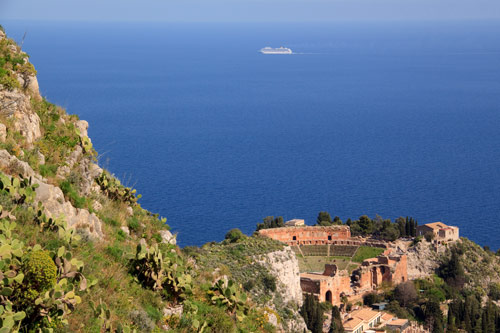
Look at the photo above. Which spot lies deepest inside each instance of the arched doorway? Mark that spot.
(294, 238)
(328, 296)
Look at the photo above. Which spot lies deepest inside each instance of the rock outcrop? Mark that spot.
(56, 206)
(52, 198)
(284, 266)
(16, 105)
(422, 258)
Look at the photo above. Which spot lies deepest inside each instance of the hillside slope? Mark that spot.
(78, 253)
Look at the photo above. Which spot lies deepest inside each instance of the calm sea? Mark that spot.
(374, 118)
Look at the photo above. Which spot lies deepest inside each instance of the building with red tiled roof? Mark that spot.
(441, 231)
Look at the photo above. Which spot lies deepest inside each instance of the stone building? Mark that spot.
(309, 235)
(441, 231)
(362, 320)
(332, 285)
(295, 223)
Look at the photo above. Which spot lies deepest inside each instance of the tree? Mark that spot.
(366, 224)
(234, 235)
(324, 218)
(494, 292)
(433, 316)
(412, 227)
(452, 270)
(405, 293)
(400, 221)
(337, 221)
(271, 222)
(312, 313)
(370, 298)
(336, 324)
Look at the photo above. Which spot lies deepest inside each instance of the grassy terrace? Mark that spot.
(366, 252)
(314, 257)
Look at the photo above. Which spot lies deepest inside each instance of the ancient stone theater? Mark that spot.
(332, 284)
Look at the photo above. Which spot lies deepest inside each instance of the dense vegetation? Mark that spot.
(271, 222)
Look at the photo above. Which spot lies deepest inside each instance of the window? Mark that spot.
(329, 237)
(294, 237)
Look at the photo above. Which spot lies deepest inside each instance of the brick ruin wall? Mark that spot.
(309, 235)
(367, 278)
(316, 235)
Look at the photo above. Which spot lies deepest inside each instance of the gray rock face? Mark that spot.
(125, 230)
(285, 267)
(17, 106)
(82, 127)
(63, 171)
(57, 207)
(14, 165)
(167, 237)
(53, 199)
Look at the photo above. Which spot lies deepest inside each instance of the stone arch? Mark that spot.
(328, 297)
(386, 273)
(374, 274)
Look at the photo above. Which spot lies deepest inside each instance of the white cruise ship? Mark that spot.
(279, 50)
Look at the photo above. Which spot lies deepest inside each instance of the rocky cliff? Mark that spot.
(284, 266)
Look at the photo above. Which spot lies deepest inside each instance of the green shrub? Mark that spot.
(153, 312)
(111, 221)
(249, 285)
(234, 235)
(133, 224)
(115, 251)
(157, 237)
(40, 271)
(48, 170)
(219, 321)
(121, 235)
(269, 282)
(70, 192)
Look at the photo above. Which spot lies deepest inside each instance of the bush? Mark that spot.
(48, 170)
(494, 291)
(40, 271)
(72, 194)
(121, 235)
(269, 282)
(249, 285)
(115, 252)
(219, 321)
(234, 235)
(370, 299)
(133, 224)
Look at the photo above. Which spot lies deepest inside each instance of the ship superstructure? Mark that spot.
(279, 50)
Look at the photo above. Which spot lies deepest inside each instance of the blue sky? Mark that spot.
(248, 10)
